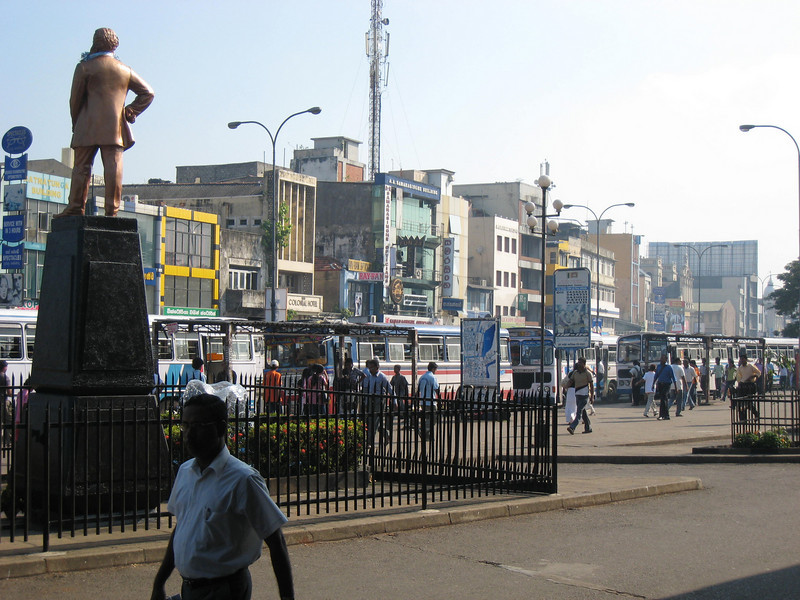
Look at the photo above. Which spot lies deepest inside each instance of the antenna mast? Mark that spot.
(377, 62)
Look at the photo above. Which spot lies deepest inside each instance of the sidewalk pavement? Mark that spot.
(620, 435)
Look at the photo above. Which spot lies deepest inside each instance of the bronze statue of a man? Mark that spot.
(100, 119)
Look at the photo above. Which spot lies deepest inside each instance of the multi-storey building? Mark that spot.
(723, 270)
(180, 248)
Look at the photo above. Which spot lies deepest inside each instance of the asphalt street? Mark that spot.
(735, 538)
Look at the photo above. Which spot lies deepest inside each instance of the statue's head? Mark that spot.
(105, 40)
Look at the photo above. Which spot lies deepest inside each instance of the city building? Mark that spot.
(392, 230)
(240, 194)
(180, 248)
(331, 159)
(722, 271)
(507, 200)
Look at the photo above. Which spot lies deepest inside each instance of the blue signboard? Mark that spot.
(17, 140)
(12, 256)
(13, 228)
(453, 304)
(16, 168)
(150, 276)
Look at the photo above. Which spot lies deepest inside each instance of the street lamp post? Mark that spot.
(699, 271)
(544, 183)
(315, 110)
(746, 128)
(597, 247)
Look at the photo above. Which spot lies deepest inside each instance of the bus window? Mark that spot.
(30, 339)
(240, 347)
(372, 348)
(503, 351)
(630, 350)
(11, 341)
(515, 353)
(399, 352)
(453, 348)
(187, 346)
(258, 345)
(164, 349)
(431, 349)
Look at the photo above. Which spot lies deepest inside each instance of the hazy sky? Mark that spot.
(630, 101)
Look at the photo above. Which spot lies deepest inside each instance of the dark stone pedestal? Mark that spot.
(95, 454)
(96, 443)
(92, 332)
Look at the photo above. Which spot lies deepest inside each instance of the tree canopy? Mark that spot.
(786, 299)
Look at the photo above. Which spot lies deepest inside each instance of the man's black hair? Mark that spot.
(215, 406)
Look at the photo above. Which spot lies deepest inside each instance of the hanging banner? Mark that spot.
(572, 308)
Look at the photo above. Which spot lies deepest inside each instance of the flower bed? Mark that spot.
(289, 446)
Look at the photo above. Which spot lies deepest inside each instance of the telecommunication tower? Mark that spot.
(377, 53)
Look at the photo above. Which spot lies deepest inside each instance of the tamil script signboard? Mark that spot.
(572, 308)
(480, 357)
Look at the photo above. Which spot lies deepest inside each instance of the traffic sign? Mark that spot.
(17, 140)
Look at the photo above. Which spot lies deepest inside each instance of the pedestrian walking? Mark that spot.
(665, 379)
(428, 392)
(719, 378)
(650, 390)
(582, 379)
(224, 515)
(677, 392)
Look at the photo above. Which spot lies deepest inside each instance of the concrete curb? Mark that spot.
(102, 556)
(685, 459)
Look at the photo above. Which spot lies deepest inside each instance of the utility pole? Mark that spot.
(377, 53)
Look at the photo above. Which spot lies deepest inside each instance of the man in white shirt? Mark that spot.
(224, 514)
(680, 386)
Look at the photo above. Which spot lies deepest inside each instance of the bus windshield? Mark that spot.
(529, 353)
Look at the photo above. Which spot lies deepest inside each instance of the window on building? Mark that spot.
(514, 280)
(513, 245)
(190, 292)
(498, 278)
(243, 221)
(507, 244)
(189, 243)
(505, 279)
(241, 278)
(230, 222)
(499, 243)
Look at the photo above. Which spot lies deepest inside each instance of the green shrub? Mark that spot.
(289, 448)
(776, 438)
(319, 446)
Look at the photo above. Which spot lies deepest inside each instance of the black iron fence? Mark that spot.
(90, 465)
(774, 411)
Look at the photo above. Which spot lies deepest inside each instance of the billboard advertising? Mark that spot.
(572, 307)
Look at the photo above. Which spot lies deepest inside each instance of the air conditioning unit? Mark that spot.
(417, 273)
(483, 283)
(130, 198)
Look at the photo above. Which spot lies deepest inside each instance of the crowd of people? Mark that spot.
(680, 383)
(311, 393)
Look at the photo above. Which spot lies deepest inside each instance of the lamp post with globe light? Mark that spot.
(315, 110)
(597, 250)
(544, 182)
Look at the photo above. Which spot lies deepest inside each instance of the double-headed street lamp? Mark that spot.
(699, 272)
(544, 183)
(747, 128)
(597, 237)
(315, 110)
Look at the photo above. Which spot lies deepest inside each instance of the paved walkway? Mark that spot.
(620, 434)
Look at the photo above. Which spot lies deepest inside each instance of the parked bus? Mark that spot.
(525, 345)
(646, 347)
